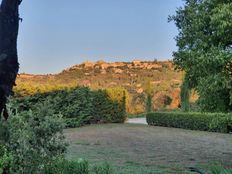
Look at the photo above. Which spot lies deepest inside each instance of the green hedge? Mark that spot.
(215, 122)
(79, 106)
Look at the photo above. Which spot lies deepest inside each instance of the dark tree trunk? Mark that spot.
(9, 24)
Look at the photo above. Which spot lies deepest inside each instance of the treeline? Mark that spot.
(135, 103)
(80, 105)
(28, 88)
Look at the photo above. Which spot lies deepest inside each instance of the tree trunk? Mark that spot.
(9, 24)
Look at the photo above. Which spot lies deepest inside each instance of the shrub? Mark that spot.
(80, 106)
(5, 159)
(117, 94)
(73, 122)
(149, 103)
(62, 166)
(106, 110)
(36, 138)
(185, 95)
(217, 122)
(3, 132)
(221, 124)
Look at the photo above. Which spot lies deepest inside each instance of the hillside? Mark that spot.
(134, 76)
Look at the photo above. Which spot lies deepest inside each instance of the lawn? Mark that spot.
(141, 149)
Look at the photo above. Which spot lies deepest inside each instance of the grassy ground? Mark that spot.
(140, 149)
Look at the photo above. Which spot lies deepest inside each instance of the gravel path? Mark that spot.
(137, 120)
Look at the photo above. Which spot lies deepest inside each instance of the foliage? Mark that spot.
(184, 95)
(80, 166)
(119, 94)
(103, 169)
(205, 51)
(36, 139)
(149, 93)
(107, 111)
(167, 100)
(3, 132)
(213, 169)
(80, 106)
(138, 102)
(5, 158)
(216, 122)
(133, 79)
(221, 124)
(216, 91)
(28, 89)
(62, 166)
(149, 103)
(218, 169)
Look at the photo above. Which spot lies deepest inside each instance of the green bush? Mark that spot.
(73, 122)
(5, 159)
(62, 166)
(79, 106)
(185, 95)
(106, 110)
(216, 122)
(149, 103)
(36, 139)
(118, 94)
(221, 124)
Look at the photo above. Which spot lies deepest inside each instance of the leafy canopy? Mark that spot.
(205, 50)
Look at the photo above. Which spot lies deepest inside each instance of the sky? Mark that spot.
(56, 34)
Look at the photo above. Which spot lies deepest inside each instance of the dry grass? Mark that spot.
(143, 149)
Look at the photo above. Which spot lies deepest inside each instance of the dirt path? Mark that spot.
(140, 145)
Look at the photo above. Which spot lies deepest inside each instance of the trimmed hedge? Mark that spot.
(215, 122)
(78, 106)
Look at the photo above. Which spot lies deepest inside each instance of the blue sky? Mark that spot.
(56, 34)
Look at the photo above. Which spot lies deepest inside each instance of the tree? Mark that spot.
(149, 92)
(149, 103)
(9, 24)
(205, 51)
(184, 96)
